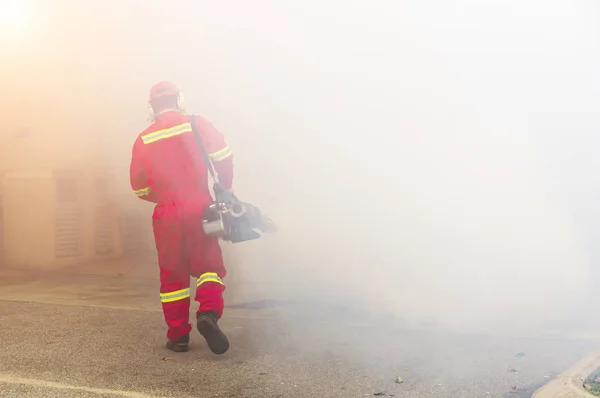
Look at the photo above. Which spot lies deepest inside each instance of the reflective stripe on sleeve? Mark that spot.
(142, 192)
(209, 277)
(166, 133)
(220, 154)
(175, 296)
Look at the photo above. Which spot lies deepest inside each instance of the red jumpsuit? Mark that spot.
(167, 168)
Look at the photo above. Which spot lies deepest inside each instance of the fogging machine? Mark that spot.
(227, 217)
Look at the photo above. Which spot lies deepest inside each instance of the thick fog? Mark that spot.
(436, 160)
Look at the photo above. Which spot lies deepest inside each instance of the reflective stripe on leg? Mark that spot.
(209, 277)
(177, 295)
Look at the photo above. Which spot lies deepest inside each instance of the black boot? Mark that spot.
(207, 326)
(180, 345)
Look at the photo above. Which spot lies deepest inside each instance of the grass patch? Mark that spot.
(592, 383)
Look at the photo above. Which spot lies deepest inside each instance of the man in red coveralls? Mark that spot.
(167, 168)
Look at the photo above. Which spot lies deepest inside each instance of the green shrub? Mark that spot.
(592, 383)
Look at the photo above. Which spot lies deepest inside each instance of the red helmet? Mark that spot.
(163, 89)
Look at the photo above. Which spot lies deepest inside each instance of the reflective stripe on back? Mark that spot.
(166, 133)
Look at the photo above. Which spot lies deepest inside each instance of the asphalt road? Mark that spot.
(103, 336)
(108, 352)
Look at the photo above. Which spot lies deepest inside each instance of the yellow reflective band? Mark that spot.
(209, 277)
(166, 133)
(221, 154)
(175, 296)
(142, 192)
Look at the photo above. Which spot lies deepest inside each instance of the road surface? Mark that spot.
(103, 336)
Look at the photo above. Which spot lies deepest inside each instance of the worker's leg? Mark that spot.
(209, 293)
(206, 264)
(174, 277)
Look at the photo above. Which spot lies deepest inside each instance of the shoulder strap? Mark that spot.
(202, 150)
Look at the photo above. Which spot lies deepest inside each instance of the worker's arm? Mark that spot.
(137, 174)
(219, 152)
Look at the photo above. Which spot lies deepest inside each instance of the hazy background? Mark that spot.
(433, 159)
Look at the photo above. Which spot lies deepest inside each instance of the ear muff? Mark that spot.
(181, 103)
(151, 115)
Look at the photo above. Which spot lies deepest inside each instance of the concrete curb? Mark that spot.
(570, 383)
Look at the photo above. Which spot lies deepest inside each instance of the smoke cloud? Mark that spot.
(434, 160)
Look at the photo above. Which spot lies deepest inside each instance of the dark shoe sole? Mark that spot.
(215, 338)
(177, 347)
